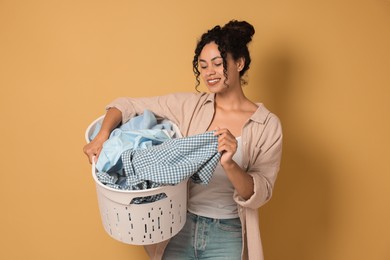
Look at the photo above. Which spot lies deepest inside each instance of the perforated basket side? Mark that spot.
(143, 224)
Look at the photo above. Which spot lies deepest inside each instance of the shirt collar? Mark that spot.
(261, 114)
(210, 98)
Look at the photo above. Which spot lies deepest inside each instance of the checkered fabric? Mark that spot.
(169, 163)
(173, 161)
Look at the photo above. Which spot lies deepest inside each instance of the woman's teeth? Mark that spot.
(213, 81)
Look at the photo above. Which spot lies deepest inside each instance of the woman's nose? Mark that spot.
(210, 71)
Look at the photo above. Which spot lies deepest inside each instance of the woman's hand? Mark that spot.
(111, 120)
(94, 148)
(227, 146)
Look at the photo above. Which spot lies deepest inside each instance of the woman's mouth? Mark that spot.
(212, 82)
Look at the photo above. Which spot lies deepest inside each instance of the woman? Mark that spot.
(222, 219)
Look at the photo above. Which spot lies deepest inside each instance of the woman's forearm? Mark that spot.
(242, 181)
(111, 120)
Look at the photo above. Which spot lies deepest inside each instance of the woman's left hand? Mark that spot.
(227, 146)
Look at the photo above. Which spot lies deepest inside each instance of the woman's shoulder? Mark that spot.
(195, 95)
(264, 122)
(263, 114)
(190, 97)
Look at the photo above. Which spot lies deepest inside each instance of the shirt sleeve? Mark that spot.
(172, 106)
(265, 163)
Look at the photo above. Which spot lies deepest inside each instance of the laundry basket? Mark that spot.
(140, 224)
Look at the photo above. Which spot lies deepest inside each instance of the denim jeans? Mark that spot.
(206, 238)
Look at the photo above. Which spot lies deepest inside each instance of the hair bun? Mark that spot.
(242, 29)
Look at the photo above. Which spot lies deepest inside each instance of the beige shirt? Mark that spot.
(261, 152)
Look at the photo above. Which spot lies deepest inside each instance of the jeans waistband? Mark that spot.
(194, 216)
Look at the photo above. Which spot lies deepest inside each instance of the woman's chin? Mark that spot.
(216, 88)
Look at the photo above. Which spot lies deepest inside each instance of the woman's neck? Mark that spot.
(230, 100)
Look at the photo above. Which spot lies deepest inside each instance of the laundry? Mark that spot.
(140, 132)
(169, 163)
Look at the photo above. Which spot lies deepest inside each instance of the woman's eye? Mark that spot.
(218, 64)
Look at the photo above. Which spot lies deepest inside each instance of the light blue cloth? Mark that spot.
(140, 132)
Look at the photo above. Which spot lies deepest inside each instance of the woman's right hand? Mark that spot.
(93, 149)
(111, 120)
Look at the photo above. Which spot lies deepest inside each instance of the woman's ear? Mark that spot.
(240, 63)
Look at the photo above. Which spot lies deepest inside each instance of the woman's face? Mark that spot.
(211, 69)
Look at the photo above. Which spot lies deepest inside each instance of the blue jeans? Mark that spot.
(206, 238)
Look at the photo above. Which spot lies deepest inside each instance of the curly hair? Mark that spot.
(232, 38)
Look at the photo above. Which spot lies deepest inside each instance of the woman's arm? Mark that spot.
(264, 162)
(172, 106)
(242, 181)
(111, 120)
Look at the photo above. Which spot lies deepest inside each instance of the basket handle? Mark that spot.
(126, 197)
(93, 164)
(168, 190)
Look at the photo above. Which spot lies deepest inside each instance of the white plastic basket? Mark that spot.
(140, 224)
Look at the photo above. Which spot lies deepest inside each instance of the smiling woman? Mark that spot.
(212, 70)
(222, 216)
(230, 40)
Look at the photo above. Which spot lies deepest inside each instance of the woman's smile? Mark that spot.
(213, 82)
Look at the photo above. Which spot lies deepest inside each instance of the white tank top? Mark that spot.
(215, 200)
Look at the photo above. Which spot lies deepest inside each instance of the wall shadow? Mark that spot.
(295, 223)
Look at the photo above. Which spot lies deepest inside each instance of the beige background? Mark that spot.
(322, 66)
